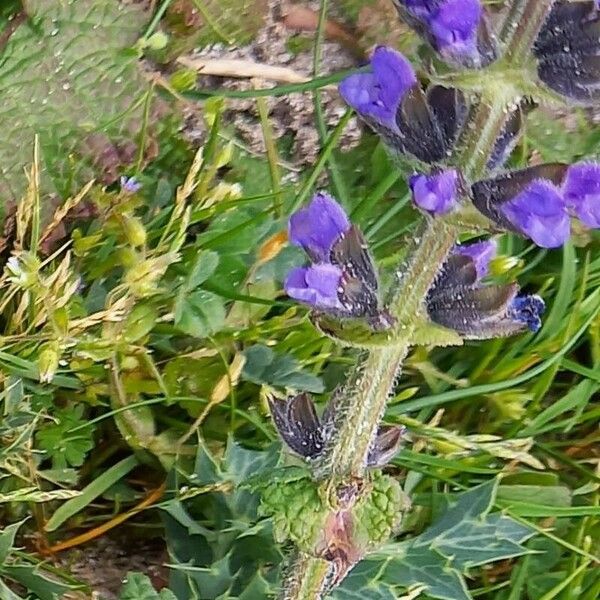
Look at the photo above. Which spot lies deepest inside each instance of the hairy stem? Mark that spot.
(360, 405)
(522, 26)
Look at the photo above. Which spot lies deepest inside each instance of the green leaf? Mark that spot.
(90, 492)
(199, 314)
(264, 366)
(84, 93)
(36, 580)
(7, 540)
(201, 269)
(466, 535)
(138, 586)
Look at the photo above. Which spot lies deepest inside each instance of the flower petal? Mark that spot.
(436, 193)
(582, 192)
(540, 213)
(317, 226)
(481, 253)
(317, 286)
(377, 95)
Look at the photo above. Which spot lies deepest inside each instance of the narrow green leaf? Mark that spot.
(90, 492)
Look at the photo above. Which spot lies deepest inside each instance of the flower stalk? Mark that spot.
(360, 404)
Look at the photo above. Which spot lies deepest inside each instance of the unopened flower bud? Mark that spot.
(48, 361)
(134, 230)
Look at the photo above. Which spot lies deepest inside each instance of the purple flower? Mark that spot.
(342, 279)
(539, 212)
(454, 27)
(481, 253)
(527, 310)
(130, 185)
(376, 96)
(317, 285)
(437, 193)
(581, 190)
(318, 226)
(457, 29)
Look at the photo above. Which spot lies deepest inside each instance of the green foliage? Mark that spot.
(466, 535)
(138, 587)
(84, 94)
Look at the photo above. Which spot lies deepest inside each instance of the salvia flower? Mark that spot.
(456, 29)
(458, 301)
(342, 279)
(302, 430)
(538, 202)
(390, 100)
(377, 95)
(567, 50)
(436, 194)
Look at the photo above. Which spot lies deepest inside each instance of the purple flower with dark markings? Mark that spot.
(581, 190)
(481, 254)
(342, 279)
(436, 193)
(376, 96)
(316, 227)
(458, 301)
(540, 212)
(317, 285)
(130, 185)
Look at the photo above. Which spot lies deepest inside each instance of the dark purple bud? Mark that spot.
(540, 213)
(318, 226)
(568, 51)
(298, 425)
(458, 302)
(528, 202)
(386, 445)
(436, 194)
(528, 310)
(318, 285)
(457, 29)
(481, 253)
(376, 96)
(582, 192)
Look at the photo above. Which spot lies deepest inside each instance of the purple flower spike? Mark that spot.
(528, 310)
(437, 193)
(317, 285)
(318, 226)
(377, 95)
(481, 253)
(539, 212)
(454, 27)
(581, 190)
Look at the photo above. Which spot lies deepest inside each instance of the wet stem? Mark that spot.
(362, 402)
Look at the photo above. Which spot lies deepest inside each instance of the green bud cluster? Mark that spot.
(297, 510)
(379, 512)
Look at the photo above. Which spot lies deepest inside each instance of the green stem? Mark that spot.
(522, 26)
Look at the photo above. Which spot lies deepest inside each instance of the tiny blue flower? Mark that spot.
(435, 194)
(130, 185)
